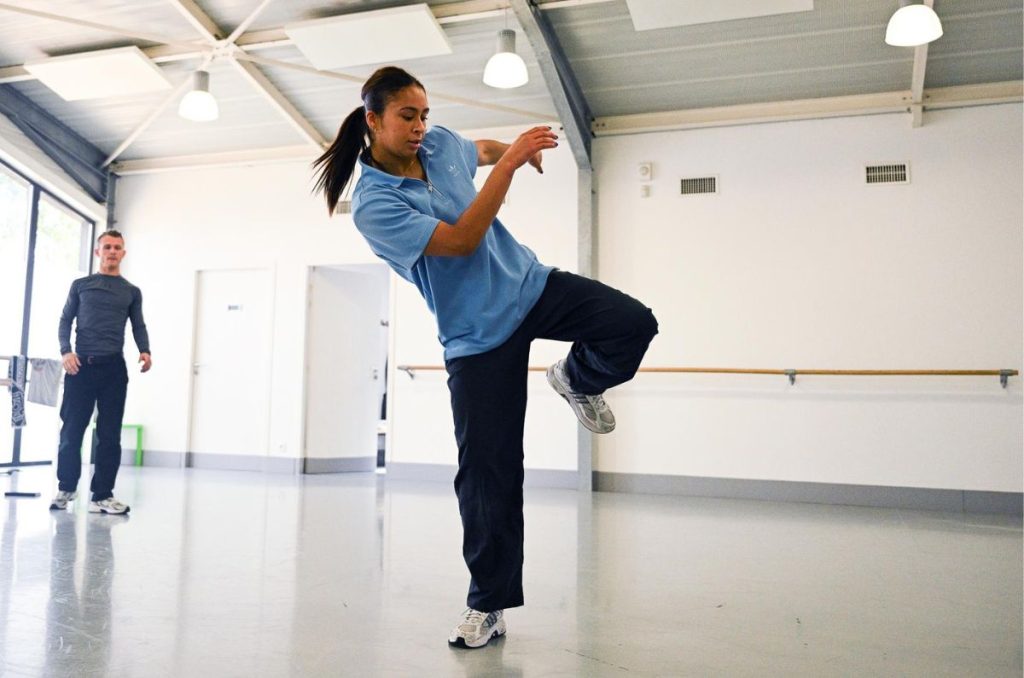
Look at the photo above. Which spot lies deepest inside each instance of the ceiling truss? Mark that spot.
(241, 47)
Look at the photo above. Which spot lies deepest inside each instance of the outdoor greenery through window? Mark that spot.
(61, 253)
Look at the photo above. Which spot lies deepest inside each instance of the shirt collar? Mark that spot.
(376, 176)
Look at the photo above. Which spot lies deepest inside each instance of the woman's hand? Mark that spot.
(535, 162)
(527, 148)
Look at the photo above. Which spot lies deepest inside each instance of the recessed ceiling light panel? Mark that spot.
(651, 14)
(97, 75)
(379, 36)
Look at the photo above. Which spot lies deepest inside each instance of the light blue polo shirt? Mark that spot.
(479, 300)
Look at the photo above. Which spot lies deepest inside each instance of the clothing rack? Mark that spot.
(4, 381)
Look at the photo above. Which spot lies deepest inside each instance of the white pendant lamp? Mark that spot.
(506, 69)
(198, 104)
(913, 25)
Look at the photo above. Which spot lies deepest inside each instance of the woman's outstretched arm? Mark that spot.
(462, 238)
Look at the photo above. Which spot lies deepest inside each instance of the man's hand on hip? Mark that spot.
(71, 363)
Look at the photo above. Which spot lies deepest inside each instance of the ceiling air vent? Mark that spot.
(698, 185)
(343, 207)
(888, 174)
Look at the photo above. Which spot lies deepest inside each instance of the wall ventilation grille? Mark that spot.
(344, 207)
(888, 174)
(699, 185)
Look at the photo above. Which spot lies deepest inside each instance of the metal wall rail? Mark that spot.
(1004, 375)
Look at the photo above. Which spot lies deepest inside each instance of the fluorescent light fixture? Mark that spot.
(198, 104)
(506, 69)
(378, 36)
(96, 75)
(652, 14)
(913, 25)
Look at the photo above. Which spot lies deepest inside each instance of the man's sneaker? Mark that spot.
(476, 628)
(108, 505)
(60, 502)
(592, 411)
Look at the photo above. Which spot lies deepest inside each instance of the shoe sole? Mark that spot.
(560, 390)
(461, 643)
(109, 513)
(56, 507)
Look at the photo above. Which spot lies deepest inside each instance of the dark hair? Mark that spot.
(109, 234)
(334, 168)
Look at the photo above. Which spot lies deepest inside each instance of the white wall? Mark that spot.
(179, 222)
(795, 263)
(798, 264)
(176, 223)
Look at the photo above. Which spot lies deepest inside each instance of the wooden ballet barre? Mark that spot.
(1004, 375)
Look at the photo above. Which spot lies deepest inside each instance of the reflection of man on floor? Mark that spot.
(78, 626)
(97, 375)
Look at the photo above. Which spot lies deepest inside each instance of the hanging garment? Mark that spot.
(16, 373)
(44, 381)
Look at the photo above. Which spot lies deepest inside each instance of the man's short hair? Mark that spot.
(112, 233)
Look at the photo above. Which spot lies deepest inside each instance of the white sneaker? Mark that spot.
(592, 411)
(476, 628)
(60, 502)
(109, 505)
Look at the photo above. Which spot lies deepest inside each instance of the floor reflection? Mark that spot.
(78, 618)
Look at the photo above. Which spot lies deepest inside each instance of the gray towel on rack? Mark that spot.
(44, 382)
(16, 373)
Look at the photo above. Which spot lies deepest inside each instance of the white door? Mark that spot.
(346, 351)
(231, 362)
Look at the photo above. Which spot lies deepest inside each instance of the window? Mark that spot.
(62, 240)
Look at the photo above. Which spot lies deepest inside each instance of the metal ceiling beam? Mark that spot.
(279, 101)
(82, 161)
(803, 109)
(240, 28)
(303, 152)
(251, 72)
(893, 102)
(917, 80)
(144, 125)
(570, 104)
(269, 38)
(359, 80)
(198, 19)
(106, 28)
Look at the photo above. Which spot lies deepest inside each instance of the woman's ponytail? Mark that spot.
(336, 165)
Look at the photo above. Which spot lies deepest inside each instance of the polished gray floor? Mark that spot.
(245, 574)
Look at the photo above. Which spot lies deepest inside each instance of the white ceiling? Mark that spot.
(835, 50)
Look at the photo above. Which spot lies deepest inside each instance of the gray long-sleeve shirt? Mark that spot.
(102, 304)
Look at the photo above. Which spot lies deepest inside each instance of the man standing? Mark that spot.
(96, 373)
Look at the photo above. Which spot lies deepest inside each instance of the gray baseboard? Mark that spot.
(243, 462)
(931, 499)
(154, 458)
(445, 473)
(340, 465)
(218, 462)
(247, 462)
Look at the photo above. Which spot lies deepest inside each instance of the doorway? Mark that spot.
(231, 362)
(346, 364)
